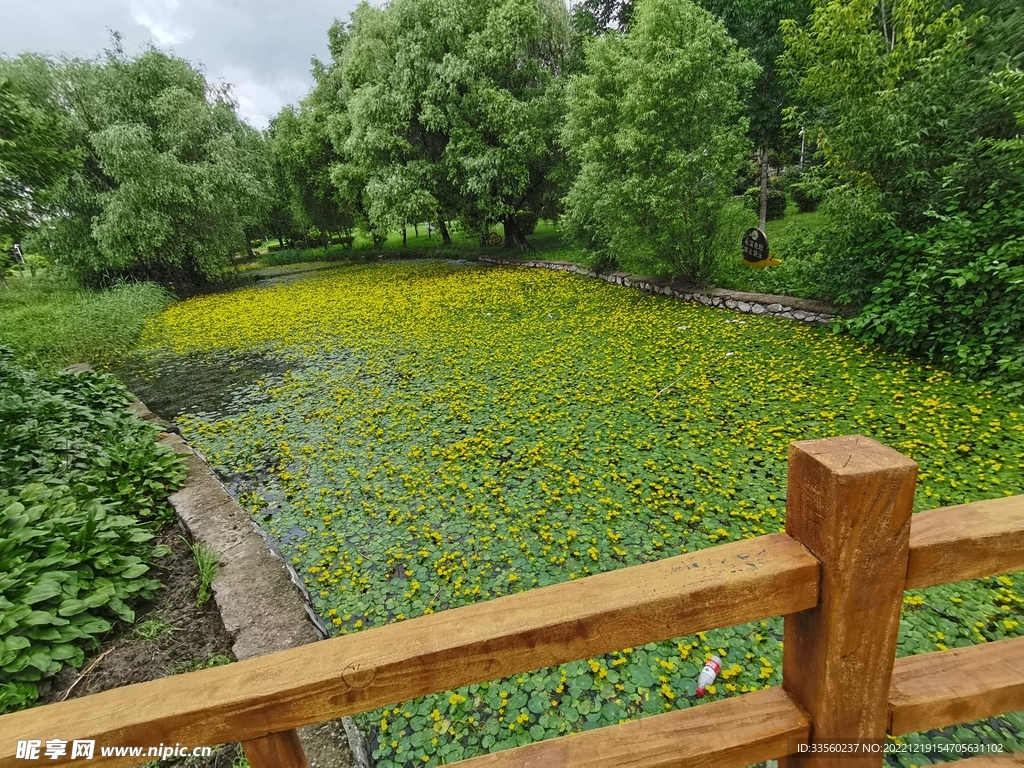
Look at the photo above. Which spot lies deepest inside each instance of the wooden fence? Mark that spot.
(837, 575)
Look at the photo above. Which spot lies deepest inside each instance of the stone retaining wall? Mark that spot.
(260, 598)
(804, 310)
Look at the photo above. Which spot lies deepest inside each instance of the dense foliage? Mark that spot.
(440, 110)
(82, 485)
(435, 436)
(655, 125)
(166, 177)
(34, 151)
(918, 109)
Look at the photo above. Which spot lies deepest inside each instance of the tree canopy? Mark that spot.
(445, 110)
(917, 109)
(656, 125)
(34, 149)
(158, 178)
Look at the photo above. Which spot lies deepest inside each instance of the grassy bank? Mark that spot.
(789, 238)
(49, 321)
(546, 241)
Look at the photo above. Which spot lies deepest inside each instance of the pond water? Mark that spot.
(419, 436)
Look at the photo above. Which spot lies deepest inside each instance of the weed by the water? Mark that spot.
(194, 665)
(49, 321)
(208, 564)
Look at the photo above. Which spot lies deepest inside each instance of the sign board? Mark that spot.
(755, 246)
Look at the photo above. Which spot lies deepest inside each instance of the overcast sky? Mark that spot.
(262, 47)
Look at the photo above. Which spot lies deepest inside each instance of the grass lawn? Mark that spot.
(546, 241)
(793, 223)
(435, 435)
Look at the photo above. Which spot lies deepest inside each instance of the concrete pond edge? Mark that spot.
(789, 308)
(261, 599)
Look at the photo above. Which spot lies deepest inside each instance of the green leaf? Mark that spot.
(40, 591)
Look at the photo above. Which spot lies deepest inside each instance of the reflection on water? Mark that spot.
(205, 384)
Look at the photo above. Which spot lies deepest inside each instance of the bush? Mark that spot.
(526, 221)
(776, 202)
(806, 187)
(955, 292)
(806, 200)
(83, 486)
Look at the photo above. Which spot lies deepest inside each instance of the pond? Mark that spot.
(423, 435)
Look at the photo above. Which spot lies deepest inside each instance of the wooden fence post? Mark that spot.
(277, 750)
(849, 502)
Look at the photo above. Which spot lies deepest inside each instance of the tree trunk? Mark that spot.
(513, 232)
(764, 188)
(404, 237)
(510, 238)
(416, 228)
(446, 238)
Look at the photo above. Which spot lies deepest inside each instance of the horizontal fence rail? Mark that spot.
(984, 538)
(743, 730)
(934, 690)
(731, 584)
(836, 575)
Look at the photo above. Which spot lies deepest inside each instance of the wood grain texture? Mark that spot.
(997, 761)
(278, 750)
(984, 538)
(934, 690)
(740, 731)
(849, 502)
(722, 586)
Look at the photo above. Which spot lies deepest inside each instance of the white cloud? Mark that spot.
(157, 17)
(262, 47)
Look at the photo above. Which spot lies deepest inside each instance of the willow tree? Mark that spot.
(169, 175)
(453, 107)
(35, 152)
(657, 128)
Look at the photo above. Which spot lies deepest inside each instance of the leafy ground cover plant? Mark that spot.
(438, 435)
(83, 486)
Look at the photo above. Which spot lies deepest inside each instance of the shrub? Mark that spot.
(526, 221)
(806, 187)
(955, 292)
(776, 202)
(806, 200)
